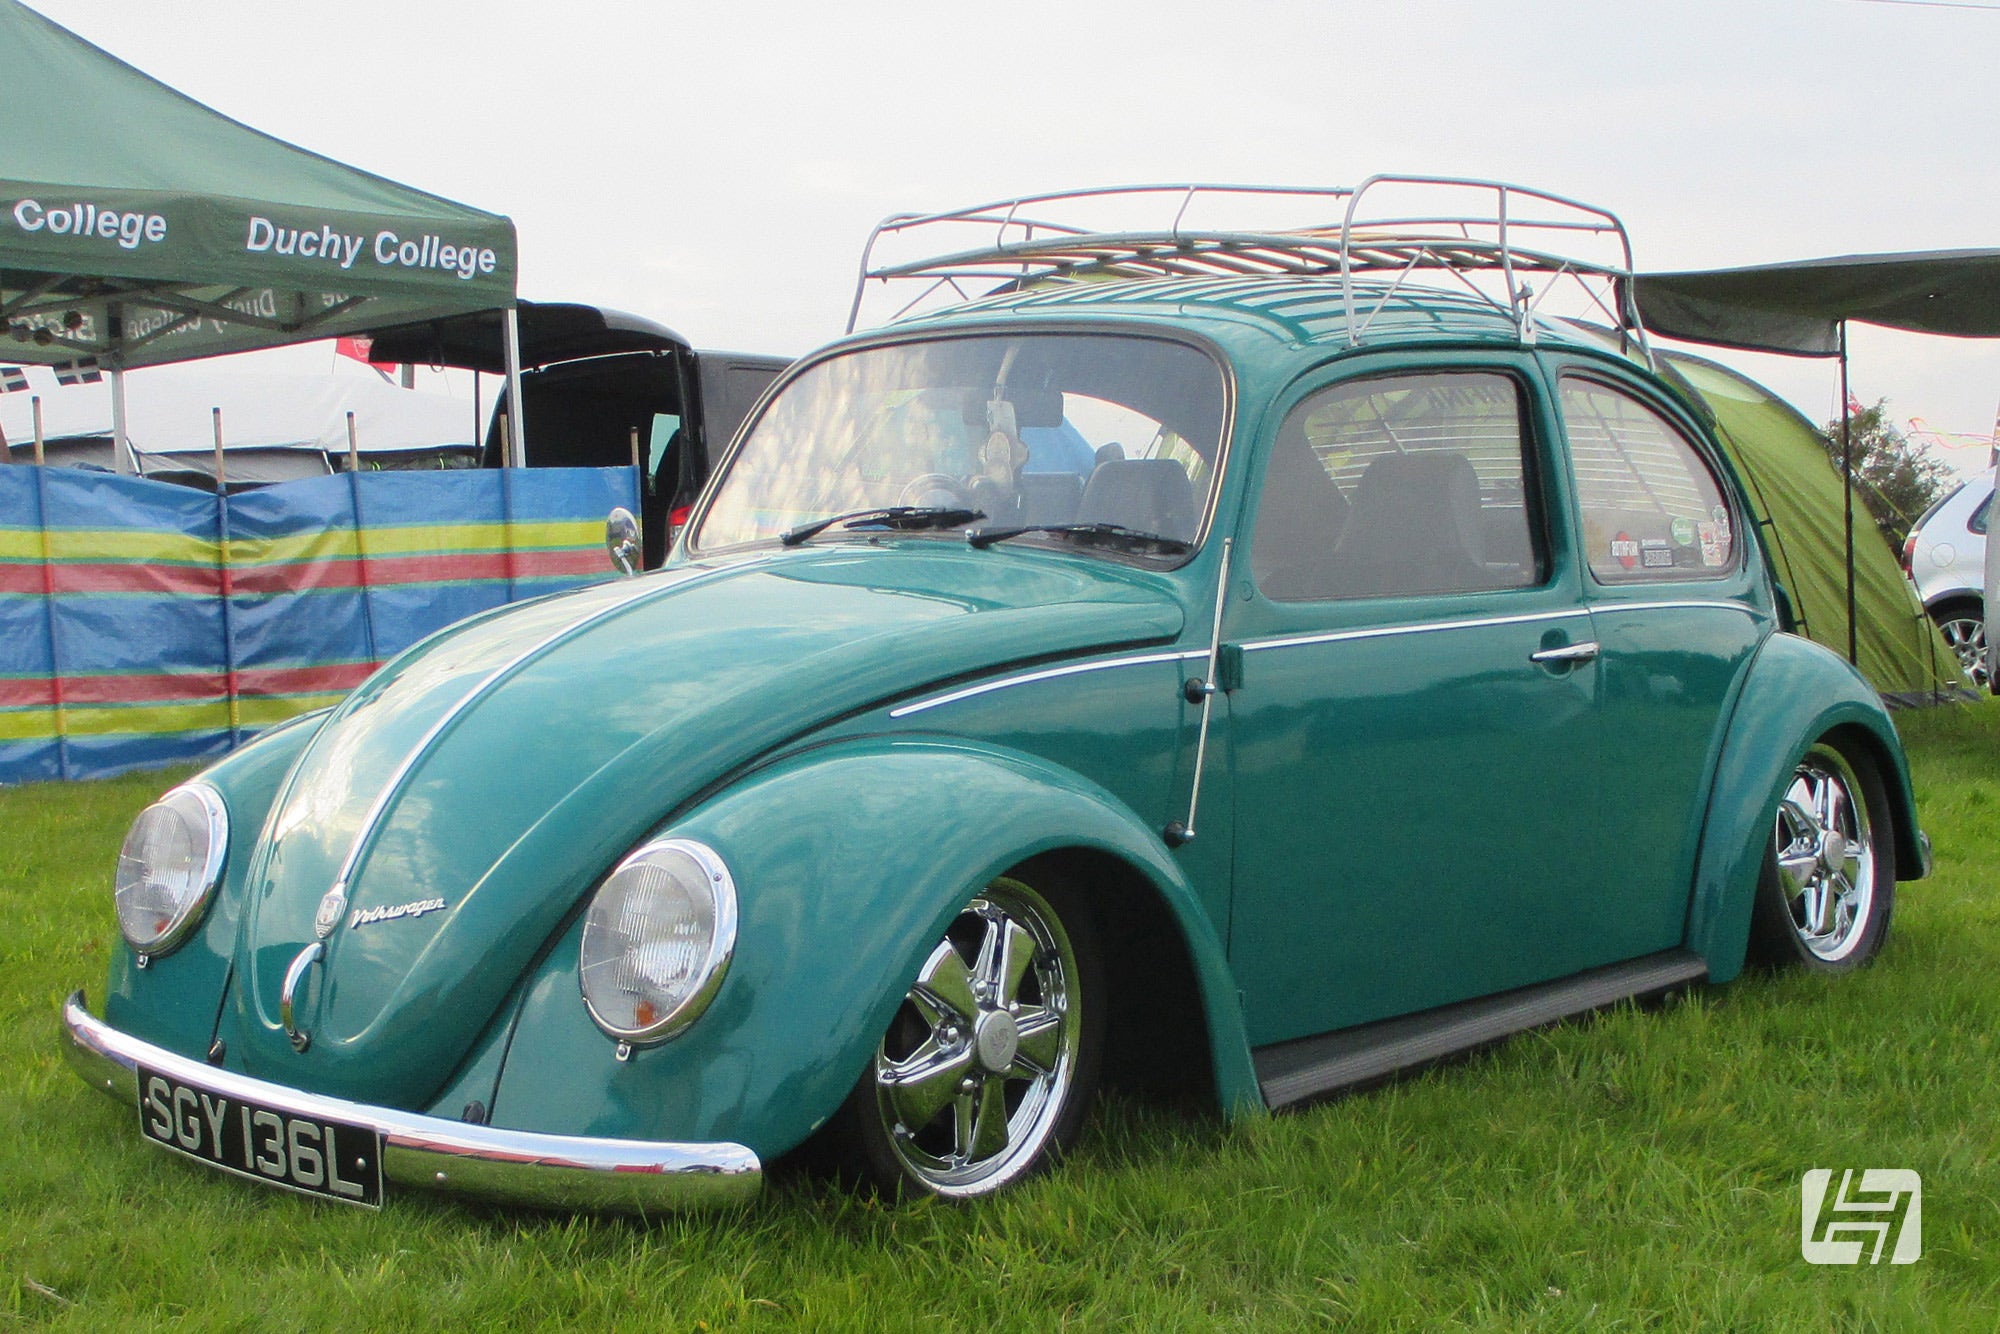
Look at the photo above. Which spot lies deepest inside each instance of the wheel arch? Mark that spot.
(1797, 694)
(850, 861)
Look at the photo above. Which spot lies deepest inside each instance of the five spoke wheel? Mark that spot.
(1827, 888)
(1967, 636)
(986, 1064)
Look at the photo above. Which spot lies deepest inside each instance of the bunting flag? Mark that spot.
(12, 379)
(82, 371)
(143, 623)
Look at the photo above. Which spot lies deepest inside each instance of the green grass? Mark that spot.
(1636, 1172)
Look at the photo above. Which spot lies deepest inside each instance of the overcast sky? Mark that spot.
(717, 167)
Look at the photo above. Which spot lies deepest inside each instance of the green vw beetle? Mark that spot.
(1261, 658)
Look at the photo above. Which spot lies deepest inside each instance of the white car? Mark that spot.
(1945, 557)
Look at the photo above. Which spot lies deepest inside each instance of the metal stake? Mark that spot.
(510, 335)
(221, 479)
(41, 452)
(353, 447)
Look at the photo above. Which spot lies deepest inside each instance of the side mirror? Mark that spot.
(621, 540)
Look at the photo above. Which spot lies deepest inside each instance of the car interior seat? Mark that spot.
(1416, 527)
(1151, 495)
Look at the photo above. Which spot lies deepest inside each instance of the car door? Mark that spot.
(1671, 591)
(1414, 736)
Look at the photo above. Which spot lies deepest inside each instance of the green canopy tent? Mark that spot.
(138, 226)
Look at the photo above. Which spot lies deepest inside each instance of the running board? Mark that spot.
(1291, 1072)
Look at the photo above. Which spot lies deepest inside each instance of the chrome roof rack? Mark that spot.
(1483, 230)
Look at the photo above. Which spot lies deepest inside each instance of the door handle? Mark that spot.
(1582, 652)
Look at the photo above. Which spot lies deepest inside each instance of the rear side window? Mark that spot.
(1653, 510)
(1398, 485)
(1977, 523)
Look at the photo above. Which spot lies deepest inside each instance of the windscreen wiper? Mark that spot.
(903, 518)
(1116, 533)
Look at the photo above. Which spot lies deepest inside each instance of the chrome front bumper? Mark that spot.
(432, 1153)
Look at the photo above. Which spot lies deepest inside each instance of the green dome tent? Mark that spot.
(1797, 494)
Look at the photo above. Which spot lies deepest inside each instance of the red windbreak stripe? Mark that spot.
(201, 580)
(168, 687)
(386, 571)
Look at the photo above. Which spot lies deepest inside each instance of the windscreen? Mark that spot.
(1015, 430)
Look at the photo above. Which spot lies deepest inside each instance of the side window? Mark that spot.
(1977, 523)
(1653, 510)
(1398, 485)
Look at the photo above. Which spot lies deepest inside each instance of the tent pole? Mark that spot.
(510, 335)
(121, 448)
(1847, 486)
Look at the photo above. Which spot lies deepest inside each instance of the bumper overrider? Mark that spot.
(431, 1153)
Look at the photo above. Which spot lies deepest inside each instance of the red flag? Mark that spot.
(1854, 408)
(359, 349)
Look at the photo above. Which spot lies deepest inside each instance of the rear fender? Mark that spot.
(850, 861)
(1797, 693)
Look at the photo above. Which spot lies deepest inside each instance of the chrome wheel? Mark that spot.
(1825, 857)
(980, 1064)
(1967, 637)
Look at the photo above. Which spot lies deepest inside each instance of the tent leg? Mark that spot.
(510, 334)
(1847, 487)
(121, 443)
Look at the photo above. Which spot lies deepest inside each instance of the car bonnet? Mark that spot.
(450, 814)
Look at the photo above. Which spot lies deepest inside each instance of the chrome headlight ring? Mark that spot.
(169, 868)
(657, 940)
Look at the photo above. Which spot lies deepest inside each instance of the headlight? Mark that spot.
(657, 940)
(169, 867)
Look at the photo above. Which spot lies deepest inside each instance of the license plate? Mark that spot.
(313, 1155)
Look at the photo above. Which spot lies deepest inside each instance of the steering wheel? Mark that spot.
(924, 490)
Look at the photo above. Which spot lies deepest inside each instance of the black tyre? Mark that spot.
(990, 1064)
(1963, 625)
(1829, 879)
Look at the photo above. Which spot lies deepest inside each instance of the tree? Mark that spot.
(1893, 477)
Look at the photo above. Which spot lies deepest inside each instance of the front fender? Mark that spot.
(850, 861)
(1796, 693)
(172, 1001)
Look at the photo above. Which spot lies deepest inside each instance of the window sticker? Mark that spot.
(1714, 545)
(1655, 554)
(1683, 530)
(1624, 550)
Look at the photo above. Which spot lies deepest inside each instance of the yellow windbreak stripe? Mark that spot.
(425, 540)
(91, 544)
(105, 544)
(39, 724)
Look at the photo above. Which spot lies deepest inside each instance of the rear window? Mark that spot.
(1653, 510)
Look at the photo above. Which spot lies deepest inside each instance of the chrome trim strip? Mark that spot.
(1049, 674)
(1384, 631)
(1336, 636)
(1379, 632)
(432, 1153)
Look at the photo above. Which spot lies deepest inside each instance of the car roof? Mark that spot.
(1308, 311)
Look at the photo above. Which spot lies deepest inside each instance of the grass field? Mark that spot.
(1640, 1171)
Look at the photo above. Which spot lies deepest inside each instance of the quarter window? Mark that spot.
(1398, 485)
(1653, 510)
